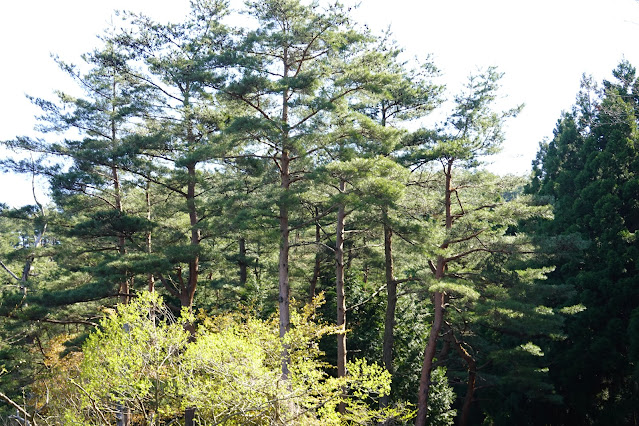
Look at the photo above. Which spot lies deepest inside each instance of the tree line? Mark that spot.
(249, 226)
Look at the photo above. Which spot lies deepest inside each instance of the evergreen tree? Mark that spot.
(180, 140)
(589, 170)
(472, 131)
(294, 71)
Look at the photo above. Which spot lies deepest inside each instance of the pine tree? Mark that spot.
(472, 131)
(293, 72)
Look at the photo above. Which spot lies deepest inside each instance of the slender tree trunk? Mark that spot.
(123, 416)
(312, 289)
(391, 304)
(189, 416)
(188, 292)
(470, 393)
(341, 296)
(438, 299)
(117, 190)
(470, 385)
(149, 248)
(124, 289)
(429, 354)
(285, 182)
(38, 238)
(284, 286)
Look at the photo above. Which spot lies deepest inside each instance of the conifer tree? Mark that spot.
(180, 63)
(589, 171)
(472, 131)
(92, 191)
(407, 94)
(293, 72)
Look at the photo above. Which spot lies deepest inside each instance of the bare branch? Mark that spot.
(95, 407)
(9, 271)
(17, 407)
(357, 305)
(83, 322)
(461, 240)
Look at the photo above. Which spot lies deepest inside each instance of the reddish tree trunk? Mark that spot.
(429, 354)
(470, 386)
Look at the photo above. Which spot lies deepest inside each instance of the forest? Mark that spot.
(286, 222)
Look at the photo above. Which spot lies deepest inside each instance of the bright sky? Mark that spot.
(543, 47)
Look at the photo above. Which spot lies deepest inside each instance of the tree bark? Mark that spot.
(341, 296)
(187, 287)
(123, 416)
(188, 293)
(124, 289)
(149, 247)
(117, 191)
(429, 354)
(284, 286)
(189, 416)
(285, 183)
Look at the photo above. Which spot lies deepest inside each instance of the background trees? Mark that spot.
(589, 171)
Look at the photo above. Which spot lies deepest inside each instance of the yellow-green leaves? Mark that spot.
(142, 358)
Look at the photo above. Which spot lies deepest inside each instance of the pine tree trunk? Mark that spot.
(285, 183)
(189, 416)
(123, 289)
(312, 289)
(438, 299)
(429, 355)
(284, 287)
(341, 296)
(470, 385)
(188, 293)
(149, 248)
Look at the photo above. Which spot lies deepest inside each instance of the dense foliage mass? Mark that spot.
(214, 184)
(589, 171)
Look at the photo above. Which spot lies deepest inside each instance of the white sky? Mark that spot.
(543, 46)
